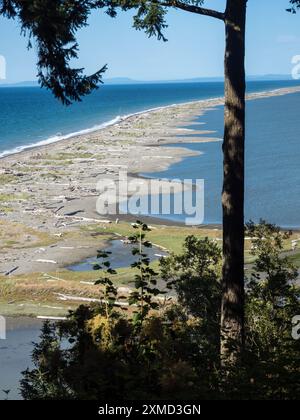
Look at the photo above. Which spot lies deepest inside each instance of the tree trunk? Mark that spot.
(232, 322)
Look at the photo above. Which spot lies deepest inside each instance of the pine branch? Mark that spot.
(193, 9)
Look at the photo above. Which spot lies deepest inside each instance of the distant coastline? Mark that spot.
(128, 80)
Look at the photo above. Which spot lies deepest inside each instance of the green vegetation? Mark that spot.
(71, 155)
(167, 354)
(160, 347)
(172, 238)
(13, 197)
(53, 174)
(167, 237)
(295, 259)
(33, 287)
(6, 199)
(62, 159)
(6, 209)
(6, 179)
(23, 236)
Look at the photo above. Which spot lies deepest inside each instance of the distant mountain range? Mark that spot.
(128, 81)
(265, 77)
(4, 83)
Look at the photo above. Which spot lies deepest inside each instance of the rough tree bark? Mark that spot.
(232, 318)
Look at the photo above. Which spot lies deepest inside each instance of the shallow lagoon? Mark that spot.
(120, 257)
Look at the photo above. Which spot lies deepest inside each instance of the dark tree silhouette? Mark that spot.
(295, 4)
(53, 25)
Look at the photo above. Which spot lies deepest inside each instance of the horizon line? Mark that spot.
(128, 80)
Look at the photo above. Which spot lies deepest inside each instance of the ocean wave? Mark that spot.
(115, 120)
(57, 138)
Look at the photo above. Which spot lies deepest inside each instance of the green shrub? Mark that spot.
(160, 347)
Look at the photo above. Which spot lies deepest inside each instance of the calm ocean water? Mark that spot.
(272, 162)
(32, 115)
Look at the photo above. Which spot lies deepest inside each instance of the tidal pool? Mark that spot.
(121, 256)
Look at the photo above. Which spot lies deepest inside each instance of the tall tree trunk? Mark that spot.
(232, 322)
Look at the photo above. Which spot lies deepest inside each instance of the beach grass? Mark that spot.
(170, 238)
(6, 198)
(39, 294)
(6, 179)
(36, 294)
(296, 259)
(18, 236)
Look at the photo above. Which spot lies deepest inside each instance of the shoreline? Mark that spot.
(117, 120)
(48, 195)
(49, 192)
(123, 118)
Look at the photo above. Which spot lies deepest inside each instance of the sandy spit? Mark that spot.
(48, 194)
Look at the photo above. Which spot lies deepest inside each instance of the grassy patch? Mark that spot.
(6, 209)
(6, 179)
(6, 198)
(34, 309)
(53, 175)
(168, 237)
(74, 155)
(17, 236)
(29, 169)
(37, 293)
(296, 259)
(172, 237)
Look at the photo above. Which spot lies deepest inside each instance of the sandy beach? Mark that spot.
(49, 193)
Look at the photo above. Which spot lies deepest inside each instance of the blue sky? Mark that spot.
(195, 46)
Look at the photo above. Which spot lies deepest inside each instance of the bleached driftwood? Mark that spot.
(46, 261)
(52, 318)
(63, 297)
(48, 276)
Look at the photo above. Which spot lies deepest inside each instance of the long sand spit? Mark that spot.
(48, 193)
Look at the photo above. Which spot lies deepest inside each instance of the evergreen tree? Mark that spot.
(53, 25)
